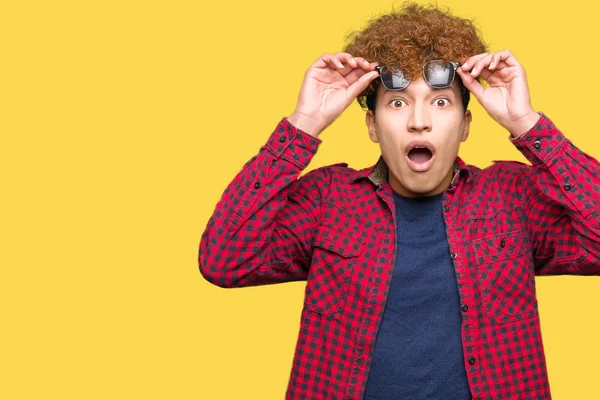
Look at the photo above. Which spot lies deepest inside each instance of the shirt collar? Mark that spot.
(378, 173)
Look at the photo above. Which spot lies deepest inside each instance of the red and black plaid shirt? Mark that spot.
(335, 227)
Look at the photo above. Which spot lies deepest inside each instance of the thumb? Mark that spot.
(361, 84)
(471, 83)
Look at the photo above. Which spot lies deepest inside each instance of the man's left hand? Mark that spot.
(507, 98)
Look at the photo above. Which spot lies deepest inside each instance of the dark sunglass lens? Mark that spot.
(394, 81)
(439, 75)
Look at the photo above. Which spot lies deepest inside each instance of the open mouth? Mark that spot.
(420, 157)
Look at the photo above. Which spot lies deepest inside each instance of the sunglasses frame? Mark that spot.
(382, 70)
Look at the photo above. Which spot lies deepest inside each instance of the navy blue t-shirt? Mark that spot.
(418, 353)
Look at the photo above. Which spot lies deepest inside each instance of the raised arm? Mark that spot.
(560, 192)
(262, 229)
(560, 195)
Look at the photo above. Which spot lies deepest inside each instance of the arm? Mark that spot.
(560, 196)
(560, 192)
(262, 229)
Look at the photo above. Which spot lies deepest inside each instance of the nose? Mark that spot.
(419, 120)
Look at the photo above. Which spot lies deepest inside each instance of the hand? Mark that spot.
(330, 85)
(507, 99)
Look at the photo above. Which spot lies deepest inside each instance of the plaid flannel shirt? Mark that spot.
(335, 228)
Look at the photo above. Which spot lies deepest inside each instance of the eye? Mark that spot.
(395, 102)
(442, 102)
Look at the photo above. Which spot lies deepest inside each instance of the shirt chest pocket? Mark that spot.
(505, 277)
(335, 252)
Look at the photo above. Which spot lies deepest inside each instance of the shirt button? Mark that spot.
(502, 243)
(537, 144)
(256, 185)
(445, 208)
(567, 187)
(471, 360)
(282, 139)
(464, 307)
(453, 255)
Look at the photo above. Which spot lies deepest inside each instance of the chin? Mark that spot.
(419, 183)
(425, 192)
(425, 189)
(426, 186)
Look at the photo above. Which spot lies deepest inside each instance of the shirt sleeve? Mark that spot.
(560, 196)
(262, 228)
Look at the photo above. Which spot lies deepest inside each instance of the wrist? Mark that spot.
(305, 123)
(524, 124)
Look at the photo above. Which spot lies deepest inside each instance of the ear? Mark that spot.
(467, 118)
(370, 122)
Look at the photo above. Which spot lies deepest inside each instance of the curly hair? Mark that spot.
(408, 37)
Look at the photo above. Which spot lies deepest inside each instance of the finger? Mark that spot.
(328, 61)
(346, 58)
(468, 64)
(354, 75)
(472, 60)
(361, 84)
(489, 65)
(481, 64)
(506, 73)
(320, 62)
(485, 71)
(347, 62)
(508, 58)
(494, 63)
(497, 64)
(351, 63)
(348, 70)
(471, 83)
(336, 63)
(485, 74)
(364, 64)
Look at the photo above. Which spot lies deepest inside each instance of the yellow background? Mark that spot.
(122, 123)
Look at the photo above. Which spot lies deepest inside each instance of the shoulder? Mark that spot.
(330, 178)
(502, 170)
(501, 183)
(330, 171)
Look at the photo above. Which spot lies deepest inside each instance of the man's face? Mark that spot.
(436, 118)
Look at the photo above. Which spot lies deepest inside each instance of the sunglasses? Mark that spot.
(437, 74)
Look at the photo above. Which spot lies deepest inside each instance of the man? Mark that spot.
(420, 269)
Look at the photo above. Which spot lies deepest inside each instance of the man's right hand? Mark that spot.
(330, 85)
